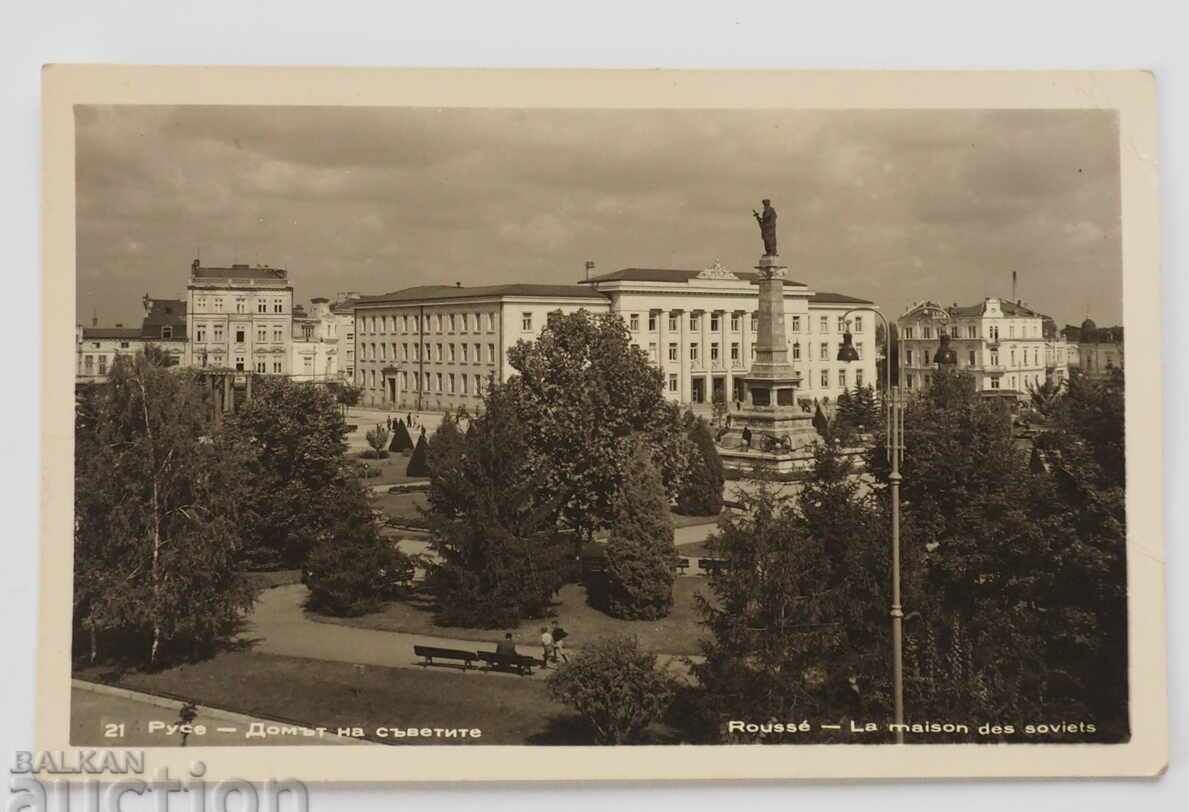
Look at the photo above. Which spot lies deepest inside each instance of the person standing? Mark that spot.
(547, 652)
(559, 636)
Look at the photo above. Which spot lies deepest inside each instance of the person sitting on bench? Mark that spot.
(506, 646)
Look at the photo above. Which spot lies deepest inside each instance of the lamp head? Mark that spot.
(847, 351)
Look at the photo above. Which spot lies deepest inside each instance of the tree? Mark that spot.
(820, 422)
(1016, 596)
(798, 630)
(419, 462)
(640, 550)
(355, 572)
(701, 489)
(347, 395)
(303, 485)
(498, 555)
(616, 687)
(157, 517)
(401, 441)
(445, 449)
(857, 410)
(377, 438)
(1091, 412)
(582, 392)
(720, 408)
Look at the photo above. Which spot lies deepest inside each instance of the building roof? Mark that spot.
(1009, 308)
(825, 297)
(448, 292)
(164, 313)
(92, 333)
(239, 271)
(671, 275)
(1092, 334)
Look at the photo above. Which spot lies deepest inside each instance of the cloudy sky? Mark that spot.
(893, 206)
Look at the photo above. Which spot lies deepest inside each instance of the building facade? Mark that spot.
(240, 318)
(164, 326)
(315, 350)
(1001, 343)
(1099, 350)
(435, 346)
(699, 328)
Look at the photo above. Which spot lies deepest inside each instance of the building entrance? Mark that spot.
(698, 390)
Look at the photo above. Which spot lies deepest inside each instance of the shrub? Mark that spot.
(419, 462)
(616, 688)
(377, 438)
(401, 441)
(640, 551)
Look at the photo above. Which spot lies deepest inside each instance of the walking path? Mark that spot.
(279, 626)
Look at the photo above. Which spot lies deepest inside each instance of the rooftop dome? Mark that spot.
(1088, 326)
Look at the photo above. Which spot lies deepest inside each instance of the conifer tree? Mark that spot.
(401, 441)
(701, 490)
(640, 550)
(419, 462)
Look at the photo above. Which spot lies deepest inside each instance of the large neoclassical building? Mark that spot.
(433, 346)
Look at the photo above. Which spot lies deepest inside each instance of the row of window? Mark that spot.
(825, 351)
(843, 379)
(736, 321)
(972, 357)
(275, 367)
(450, 353)
(434, 323)
(216, 332)
(442, 383)
(240, 304)
(971, 331)
(994, 382)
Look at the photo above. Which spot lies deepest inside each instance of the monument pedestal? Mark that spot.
(781, 433)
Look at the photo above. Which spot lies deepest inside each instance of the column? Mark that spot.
(704, 357)
(662, 346)
(683, 354)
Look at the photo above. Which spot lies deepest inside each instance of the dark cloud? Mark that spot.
(892, 205)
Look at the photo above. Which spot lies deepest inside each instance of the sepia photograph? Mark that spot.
(603, 427)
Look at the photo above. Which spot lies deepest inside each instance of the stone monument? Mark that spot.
(778, 428)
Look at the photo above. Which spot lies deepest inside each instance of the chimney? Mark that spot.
(590, 266)
(1013, 287)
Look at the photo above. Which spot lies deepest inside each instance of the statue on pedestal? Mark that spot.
(767, 221)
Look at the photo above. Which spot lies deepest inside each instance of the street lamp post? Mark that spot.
(895, 442)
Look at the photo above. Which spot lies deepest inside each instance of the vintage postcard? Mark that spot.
(613, 425)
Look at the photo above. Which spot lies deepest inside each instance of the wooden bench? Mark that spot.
(682, 565)
(713, 565)
(431, 653)
(520, 663)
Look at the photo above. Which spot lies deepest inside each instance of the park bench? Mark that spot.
(431, 653)
(520, 663)
(713, 565)
(682, 565)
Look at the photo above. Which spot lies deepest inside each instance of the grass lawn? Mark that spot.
(401, 507)
(678, 633)
(508, 710)
(392, 470)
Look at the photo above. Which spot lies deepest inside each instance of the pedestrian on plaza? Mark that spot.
(747, 437)
(506, 646)
(547, 650)
(559, 636)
